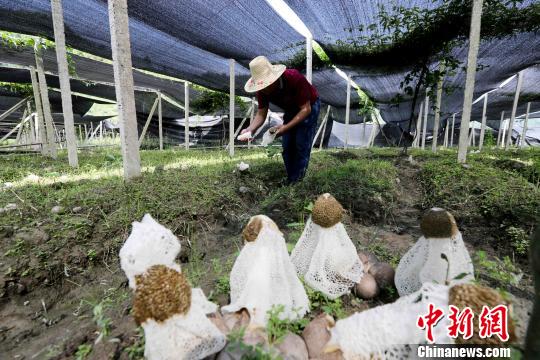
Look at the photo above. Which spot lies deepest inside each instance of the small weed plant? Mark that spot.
(319, 301)
(278, 327)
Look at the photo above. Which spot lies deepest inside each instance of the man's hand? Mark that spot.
(244, 135)
(278, 130)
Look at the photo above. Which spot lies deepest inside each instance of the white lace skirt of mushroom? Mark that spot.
(439, 256)
(383, 332)
(388, 331)
(263, 276)
(149, 243)
(172, 314)
(174, 317)
(325, 255)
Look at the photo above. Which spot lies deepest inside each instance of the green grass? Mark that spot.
(480, 190)
(359, 184)
(190, 192)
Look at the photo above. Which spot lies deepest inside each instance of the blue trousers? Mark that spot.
(297, 143)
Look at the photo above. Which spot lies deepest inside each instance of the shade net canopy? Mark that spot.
(193, 40)
(335, 23)
(190, 40)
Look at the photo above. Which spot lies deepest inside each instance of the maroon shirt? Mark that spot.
(293, 91)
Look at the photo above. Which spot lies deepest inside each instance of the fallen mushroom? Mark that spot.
(383, 273)
(367, 288)
(367, 259)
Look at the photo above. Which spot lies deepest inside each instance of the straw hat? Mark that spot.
(263, 73)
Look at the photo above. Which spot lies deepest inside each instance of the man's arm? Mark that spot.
(258, 120)
(304, 112)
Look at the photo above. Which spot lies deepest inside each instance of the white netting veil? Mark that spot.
(424, 263)
(386, 332)
(263, 276)
(327, 259)
(189, 337)
(183, 330)
(149, 243)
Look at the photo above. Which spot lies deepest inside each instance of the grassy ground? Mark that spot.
(59, 270)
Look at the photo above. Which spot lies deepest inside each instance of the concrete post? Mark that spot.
(452, 130)
(525, 124)
(63, 75)
(474, 42)
(499, 133)
(309, 59)
(125, 94)
(508, 142)
(426, 113)
(347, 111)
(483, 128)
(186, 115)
(231, 106)
(44, 92)
(437, 118)
(160, 122)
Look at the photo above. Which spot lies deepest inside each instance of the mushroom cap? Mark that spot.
(475, 297)
(327, 211)
(255, 225)
(161, 292)
(367, 288)
(383, 273)
(438, 223)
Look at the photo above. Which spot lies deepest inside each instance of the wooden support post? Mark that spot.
(49, 128)
(148, 120)
(364, 128)
(418, 129)
(186, 115)
(499, 133)
(452, 130)
(323, 123)
(33, 137)
(231, 106)
(85, 133)
(446, 134)
(21, 126)
(63, 75)
(347, 111)
(523, 137)
(372, 133)
(309, 59)
(426, 113)
(474, 42)
(251, 117)
(160, 122)
(58, 138)
(101, 130)
(80, 134)
(503, 136)
(484, 119)
(13, 109)
(508, 142)
(437, 118)
(16, 128)
(125, 93)
(239, 128)
(324, 132)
